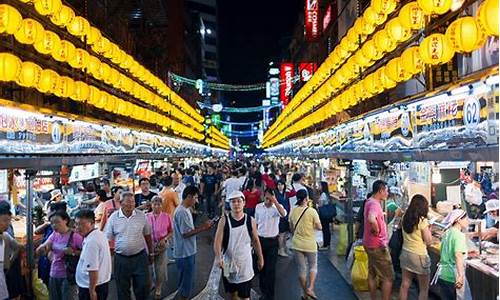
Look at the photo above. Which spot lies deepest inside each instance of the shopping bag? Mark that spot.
(319, 238)
(350, 256)
(39, 288)
(359, 272)
(342, 243)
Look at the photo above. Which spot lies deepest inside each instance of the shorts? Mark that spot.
(380, 263)
(284, 226)
(418, 264)
(242, 288)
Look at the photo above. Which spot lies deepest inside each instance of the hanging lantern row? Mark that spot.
(47, 42)
(464, 35)
(30, 75)
(63, 16)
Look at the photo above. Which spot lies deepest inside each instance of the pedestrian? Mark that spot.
(229, 186)
(253, 196)
(169, 196)
(327, 212)
(111, 206)
(284, 227)
(9, 251)
(179, 186)
(130, 231)
(297, 185)
(267, 218)
(93, 271)
(209, 187)
(414, 259)
(304, 222)
(101, 198)
(451, 269)
(143, 199)
(63, 241)
(161, 232)
(242, 177)
(233, 248)
(375, 242)
(185, 241)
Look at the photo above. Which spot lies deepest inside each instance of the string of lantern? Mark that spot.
(434, 49)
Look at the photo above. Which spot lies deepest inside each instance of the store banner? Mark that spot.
(274, 87)
(306, 71)
(311, 21)
(389, 130)
(327, 17)
(286, 78)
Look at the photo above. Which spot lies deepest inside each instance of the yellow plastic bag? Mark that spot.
(342, 243)
(359, 273)
(39, 288)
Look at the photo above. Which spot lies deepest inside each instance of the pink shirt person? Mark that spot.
(373, 206)
(161, 225)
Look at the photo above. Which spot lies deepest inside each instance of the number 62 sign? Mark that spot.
(472, 109)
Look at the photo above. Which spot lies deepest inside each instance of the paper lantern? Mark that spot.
(340, 53)
(94, 95)
(10, 19)
(104, 71)
(79, 26)
(396, 31)
(29, 74)
(346, 46)
(64, 52)
(369, 50)
(109, 53)
(466, 35)
(29, 32)
(412, 61)
(80, 59)
(94, 66)
(384, 6)
(383, 42)
(113, 78)
(47, 7)
(395, 71)
(65, 87)
(366, 27)
(127, 61)
(361, 59)
(438, 7)
(344, 101)
(361, 92)
(101, 45)
(48, 43)
(103, 99)
(412, 16)
(63, 17)
(81, 91)
(386, 82)
(436, 49)
(93, 35)
(48, 81)
(10, 66)
(373, 17)
(487, 16)
(118, 57)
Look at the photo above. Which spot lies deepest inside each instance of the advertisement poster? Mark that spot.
(306, 71)
(311, 20)
(286, 87)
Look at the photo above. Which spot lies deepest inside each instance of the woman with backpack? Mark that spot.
(62, 243)
(304, 221)
(327, 212)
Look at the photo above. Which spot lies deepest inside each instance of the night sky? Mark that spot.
(252, 34)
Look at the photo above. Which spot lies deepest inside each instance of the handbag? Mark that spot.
(70, 263)
(327, 211)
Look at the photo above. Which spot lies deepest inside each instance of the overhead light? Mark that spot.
(481, 89)
(461, 90)
(492, 80)
(209, 31)
(436, 175)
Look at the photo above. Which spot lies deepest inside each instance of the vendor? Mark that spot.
(55, 197)
(491, 234)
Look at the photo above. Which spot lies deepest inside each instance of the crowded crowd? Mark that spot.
(254, 209)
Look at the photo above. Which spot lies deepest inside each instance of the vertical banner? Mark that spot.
(306, 70)
(327, 17)
(311, 21)
(286, 86)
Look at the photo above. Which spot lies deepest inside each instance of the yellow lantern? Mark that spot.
(81, 91)
(370, 51)
(344, 101)
(383, 42)
(79, 26)
(103, 99)
(29, 75)
(382, 77)
(94, 95)
(80, 59)
(93, 35)
(366, 27)
(384, 6)
(47, 7)
(487, 16)
(361, 59)
(127, 61)
(48, 81)
(104, 70)
(436, 49)
(438, 7)
(10, 66)
(361, 92)
(94, 67)
(30, 32)
(395, 70)
(396, 31)
(65, 51)
(346, 46)
(412, 16)
(373, 17)
(48, 43)
(63, 17)
(102, 45)
(118, 57)
(412, 61)
(65, 87)
(113, 78)
(10, 19)
(466, 35)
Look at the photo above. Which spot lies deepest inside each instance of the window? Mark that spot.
(210, 55)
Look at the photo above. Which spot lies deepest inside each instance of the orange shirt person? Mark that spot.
(169, 196)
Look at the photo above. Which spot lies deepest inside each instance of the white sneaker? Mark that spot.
(282, 253)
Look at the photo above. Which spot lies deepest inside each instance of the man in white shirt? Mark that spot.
(267, 217)
(179, 185)
(242, 177)
(93, 271)
(230, 185)
(297, 185)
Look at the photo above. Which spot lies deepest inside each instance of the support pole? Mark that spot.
(29, 177)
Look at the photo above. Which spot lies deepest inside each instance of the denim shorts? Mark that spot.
(185, 269)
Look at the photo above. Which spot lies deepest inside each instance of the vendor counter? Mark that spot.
(19, 226)
(482, 277)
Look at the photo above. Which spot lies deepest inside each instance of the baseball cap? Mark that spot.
(492, 205)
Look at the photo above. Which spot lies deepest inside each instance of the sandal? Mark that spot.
(311, 295)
